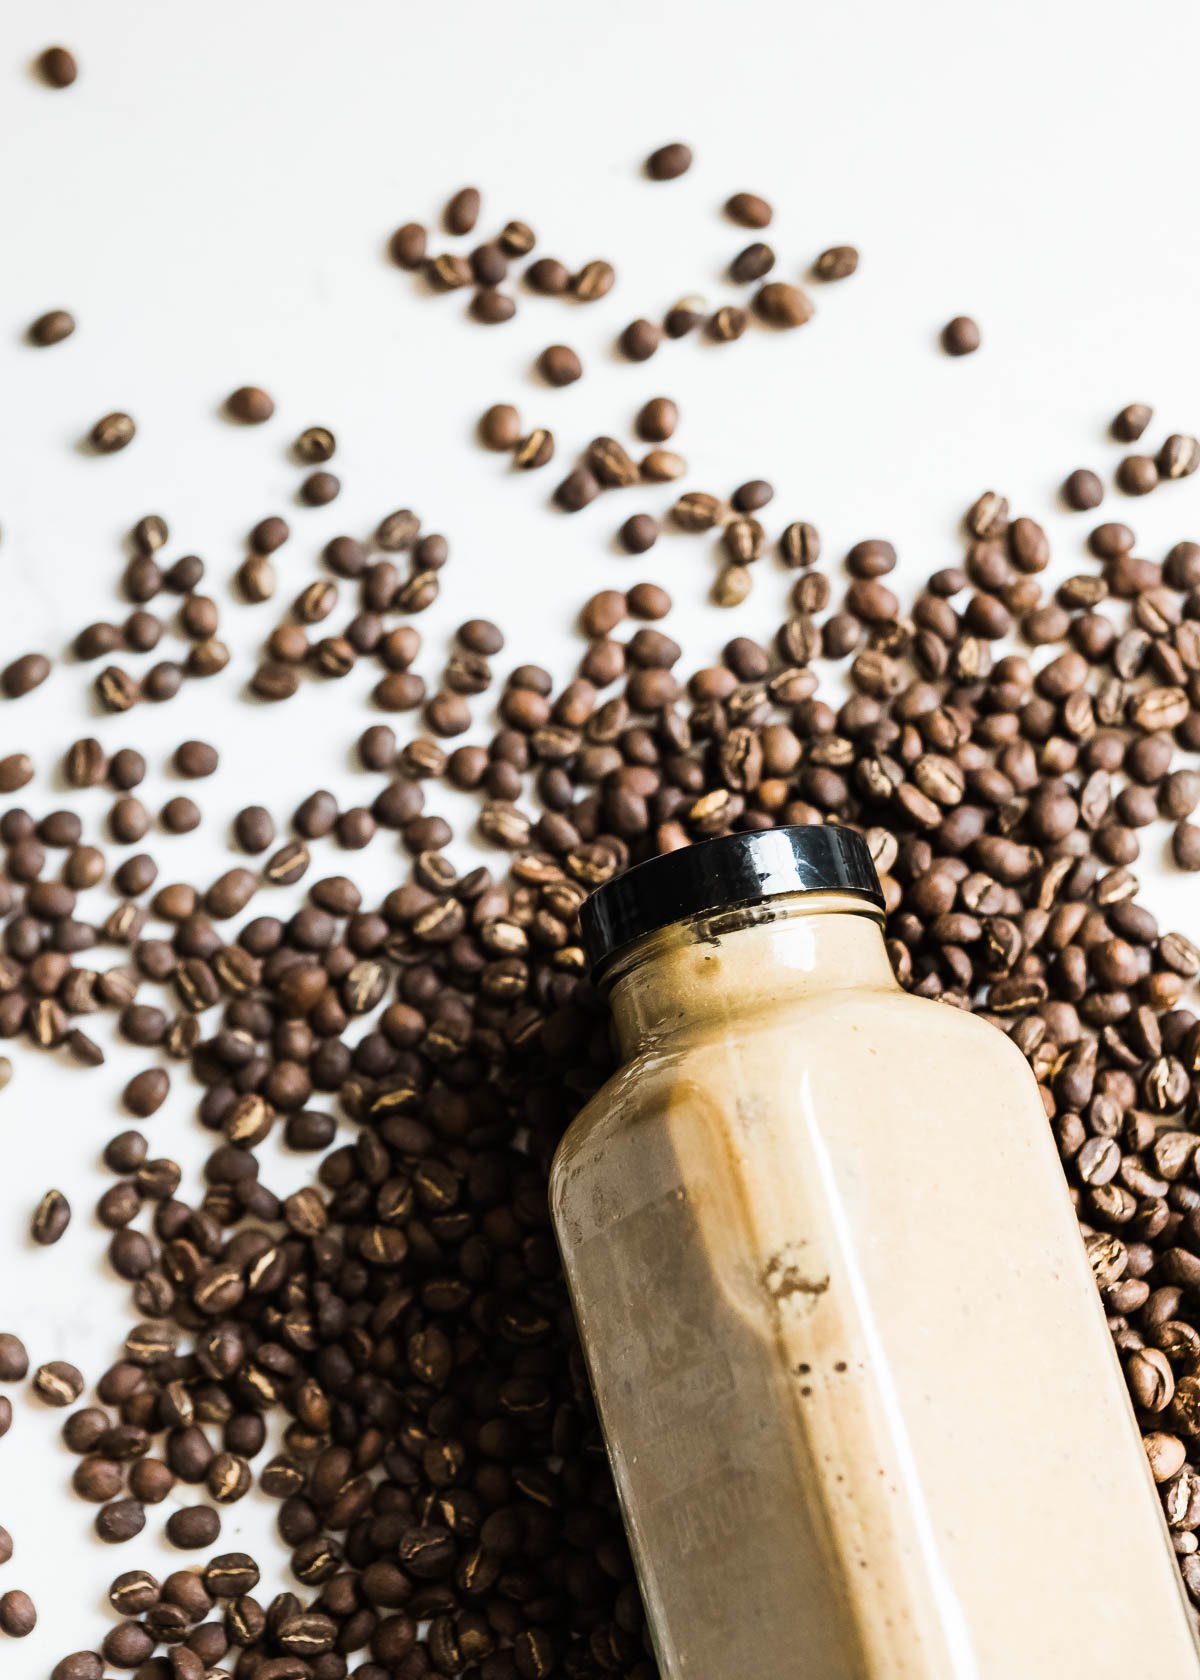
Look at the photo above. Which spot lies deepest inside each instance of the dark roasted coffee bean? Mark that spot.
(250, 404)
(752, 263)
(748, 210)
(121, 1520)
(18, 1616)
(57, 67)
(500, 427)
(112, 433)
(559, 365)
(668, 162)
(638, 533)
(320, 488)
(193, 1527)
(24, 675)
(50, 1218)
(548, 276)
(782, 305)
(576, 490)
(1131, 422)
(594, 280)
(57, 1383)
(1082, 489)
(14, 1361)
(639, 340)
(961, 336)
(837, 263)
(51, 328)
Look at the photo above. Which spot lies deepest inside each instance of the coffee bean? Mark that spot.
(669, 162)
(748, 210)
(548, 276)
(57, 1383)
(576, 490)
(1082, 490)
(594, 280)
(1137, 475)
(657, 420)
(117, 1522)
(1179, 457)
(256, 578)
(195, 759)
(18, 1617)
(559, 365)
(752, 495)
(25, 674)
(685, 316)
(462, 212)
(134, 1593)
(1131, 422)
(320, 488)
(111, 433)
(180, 816)
(249, 404)
(14, 1361)
(640, 340)
(315, 445)
(116, 690)
(517, 238)
(536, 450)
(639, 533)
(448, 273)
(837, 263)
(185, 575)
(660, 466)
(51, 328)
(146, 1092)
(961, 336)
(732, 586)
(57, 67)
(1185, 846)
(193, 1527)
(500, 427)
(727, 324)
(50, 1218)
(79, 1665)
(752, 263)
(781, 305)
(16, 771)
(407, 245)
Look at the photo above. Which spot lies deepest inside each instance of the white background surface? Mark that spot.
(212, 199)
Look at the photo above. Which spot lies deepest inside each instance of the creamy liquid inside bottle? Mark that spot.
(864, 1414)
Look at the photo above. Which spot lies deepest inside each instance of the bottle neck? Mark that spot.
(744, 963)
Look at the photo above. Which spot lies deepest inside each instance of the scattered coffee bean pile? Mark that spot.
(442, 1484)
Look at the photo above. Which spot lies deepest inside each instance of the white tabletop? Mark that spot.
(212, 201)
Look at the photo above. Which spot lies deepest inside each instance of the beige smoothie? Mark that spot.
(853, 1370)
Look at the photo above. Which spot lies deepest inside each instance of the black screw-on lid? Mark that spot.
(719, 874)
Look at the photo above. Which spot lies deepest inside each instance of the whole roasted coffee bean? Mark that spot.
(1179, 457)
(1137, 475)
(661, 466)
(500, 427)
(732, 585)
(16, 771)
(119, 1521)
(250, 404)
(492, 306)
(57, 1383)
(269, 534)
(408, 245)
(748, 210)
(639, 340)
(726, 324)
(657, 420)
(639, 533)
(50, 1218)
(18, 1616)
(23, 675)
(448, 273)
(186, 574)
(594, 280)
(576, 490)
(275, 681)
(536, 450)
(134, 1592)
(51, 328)
(111, 433)
(668, 162)
(315, 445)
(1131, 422)
(193, 1527)
(752, 495)
(517, 238)
(320, 488)
(1082, 489)
(685, 316)
(559, 365)
(961, 336)
(752, 263)
(79, 1665)
(116, 690)
(146, 1092)
(782, 305)
(548, 276)
(254, 828)
(257, 578)
(195, 759)
(462, 211)
(180, 815)
(57, 67)
(837, 263)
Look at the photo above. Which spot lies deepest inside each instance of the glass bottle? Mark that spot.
(863, 1410)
